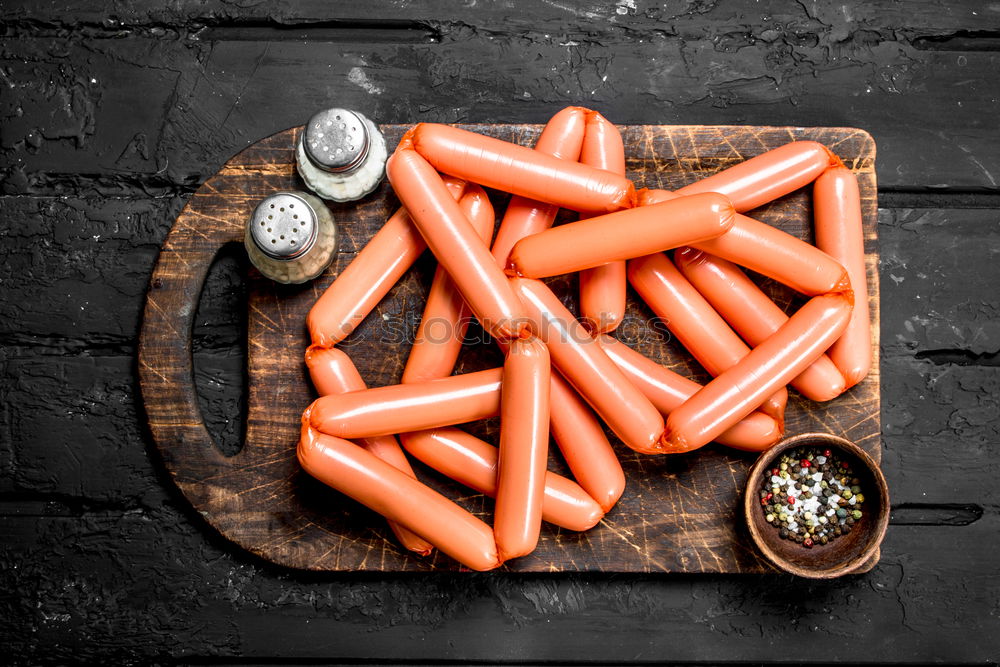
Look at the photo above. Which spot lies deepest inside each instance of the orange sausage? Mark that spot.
(333, 372)
(767, 176)
(583, 445)
(837, 206)
(468, 460)
(561, 138)
(524, 448)
(369, 277)
(519, 170)
(770, 252)
(733, 395)
(395, 495)
(695, 323)
(602, 288)
(753, 315)
(668, 390)
(409, 407)
(622, 235)
(446, 315)
(582, 362)
(454, 242)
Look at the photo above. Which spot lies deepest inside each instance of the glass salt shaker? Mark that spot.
(341, 155)
(291, 237)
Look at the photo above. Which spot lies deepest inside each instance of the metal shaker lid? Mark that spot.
(336, 140)
(284, 226)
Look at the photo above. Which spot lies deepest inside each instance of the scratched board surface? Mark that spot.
(678, 514)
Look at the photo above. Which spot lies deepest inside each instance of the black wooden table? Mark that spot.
(114, 112)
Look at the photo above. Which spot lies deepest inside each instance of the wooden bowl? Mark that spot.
(842, 555)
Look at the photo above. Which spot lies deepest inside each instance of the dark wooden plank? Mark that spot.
(74, 270)
(940, 269)
(71, 428)
(155, 585)
(155, 111)
(261, 500)
(909, 18)
(940, 419)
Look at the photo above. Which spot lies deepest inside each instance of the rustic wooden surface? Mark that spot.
(114, 113)
(678, 513)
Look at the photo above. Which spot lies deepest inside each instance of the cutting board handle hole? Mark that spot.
(219, 349)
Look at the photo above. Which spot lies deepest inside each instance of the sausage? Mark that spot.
(766, 177)
(454, 242)
(602, 297)
(333, 372)
(409, 407)
(602, 288)
(770, 252)
(446, 315)
(733, 395)
(519, 170)
(837, 206)
(561, 138)
(582, 362)
(668, 390)
(622, 235)
(468, 460)
(524, 448)
(398, 497)
(695, 323)
(369, 277)
(753, 315)
(582, 442)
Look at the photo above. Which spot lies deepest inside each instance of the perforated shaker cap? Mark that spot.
(336, 140)
(284, 226)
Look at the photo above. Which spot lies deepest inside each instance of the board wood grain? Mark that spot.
(678, 513)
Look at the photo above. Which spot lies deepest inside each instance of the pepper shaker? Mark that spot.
(291, 237)
(341, 155)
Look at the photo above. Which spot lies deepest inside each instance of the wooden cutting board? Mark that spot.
(678, 514)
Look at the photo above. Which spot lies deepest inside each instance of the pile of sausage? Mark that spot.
(562, 374)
